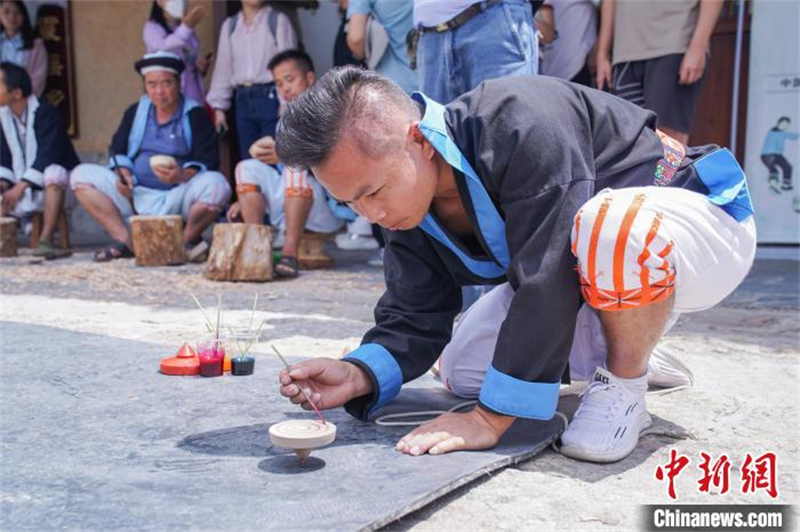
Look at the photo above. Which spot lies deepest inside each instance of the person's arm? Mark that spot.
(357, 36)
(286, 36)
(6, 166)
(413, 320)
(156, 38)
(205, 148)
(694, 60)
(221, 91)
(37, 67)
(603, 48)
(357, 12)
(118, 151)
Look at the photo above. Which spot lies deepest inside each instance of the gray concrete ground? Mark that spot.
(745, 355)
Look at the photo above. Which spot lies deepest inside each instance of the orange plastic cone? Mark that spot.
(185, 362)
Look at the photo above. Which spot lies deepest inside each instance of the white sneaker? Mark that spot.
(608, 422)
(352, 241)
(666, 370)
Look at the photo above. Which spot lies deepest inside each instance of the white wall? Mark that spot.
(319, 33)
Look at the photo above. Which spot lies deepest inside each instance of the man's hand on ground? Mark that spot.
(325, 381)
(264, 150)
(692, 65)
(12, 196)
(472, 431)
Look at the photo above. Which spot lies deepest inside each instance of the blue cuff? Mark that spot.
(726, 182)
(513, 397)
(384, 368)
(116, 161)
(195, 164)
(34, 177)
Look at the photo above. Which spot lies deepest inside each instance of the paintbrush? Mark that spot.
(319, 414)
(219, 314)
(203, 312)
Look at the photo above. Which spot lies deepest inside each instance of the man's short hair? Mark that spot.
(16, 77)
(360, 102)
(301, 59)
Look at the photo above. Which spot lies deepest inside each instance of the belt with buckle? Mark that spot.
(248, 84)
(461, 18)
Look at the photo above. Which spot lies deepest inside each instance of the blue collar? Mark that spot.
(490, 223)
(140, 121)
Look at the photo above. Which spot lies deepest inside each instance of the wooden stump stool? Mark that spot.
(62, 228)
(8, 237)
(158, 240)
(312, 255)
(240, 252)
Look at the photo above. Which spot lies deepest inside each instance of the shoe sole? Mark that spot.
(676, 363)
(586, 455)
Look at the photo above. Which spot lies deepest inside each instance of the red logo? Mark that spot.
(762, 476)
(759, 473)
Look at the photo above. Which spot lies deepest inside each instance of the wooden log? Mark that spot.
(158, 240)
(8, 237)
(311, 251)
(240, 252)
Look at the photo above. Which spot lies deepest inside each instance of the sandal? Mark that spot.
(287, 268)
(117, 250)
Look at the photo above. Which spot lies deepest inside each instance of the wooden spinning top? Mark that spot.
(302, 436)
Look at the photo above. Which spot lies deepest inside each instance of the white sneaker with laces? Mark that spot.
(666, 370)
(351, 241)
(608, 422)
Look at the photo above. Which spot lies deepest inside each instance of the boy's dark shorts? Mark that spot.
(653, 84)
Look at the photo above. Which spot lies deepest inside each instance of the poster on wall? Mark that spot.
(772, 160)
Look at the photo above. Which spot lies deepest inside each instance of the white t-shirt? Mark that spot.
(432, 12)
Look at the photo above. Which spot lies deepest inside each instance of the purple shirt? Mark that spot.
(160, 139)
(184, 43)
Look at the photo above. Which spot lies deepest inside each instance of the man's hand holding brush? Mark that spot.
(327, 382)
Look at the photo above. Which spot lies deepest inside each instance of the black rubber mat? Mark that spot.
(93, 438)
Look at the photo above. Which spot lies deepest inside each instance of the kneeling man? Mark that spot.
(563, 192)
(162, 160)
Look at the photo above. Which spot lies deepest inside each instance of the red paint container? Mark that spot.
(211, 354)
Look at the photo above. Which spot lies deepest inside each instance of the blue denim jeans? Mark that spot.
(256, 114)
(496, 43)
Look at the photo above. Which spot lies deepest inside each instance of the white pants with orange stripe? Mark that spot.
(276, 187)
(676, 242)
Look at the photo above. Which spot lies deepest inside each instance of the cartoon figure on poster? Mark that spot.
(772, 154)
